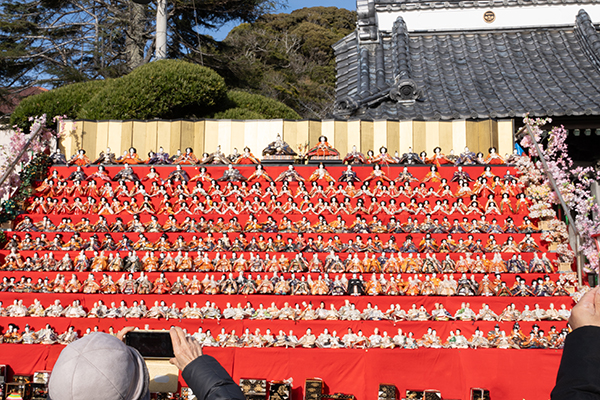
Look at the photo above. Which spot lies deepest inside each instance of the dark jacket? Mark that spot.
(579, 373)
(209, 380)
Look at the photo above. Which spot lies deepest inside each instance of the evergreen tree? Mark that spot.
(288, 57)
(54, 42)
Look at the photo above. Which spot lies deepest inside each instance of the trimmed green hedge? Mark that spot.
(238, 113)
(166, 89)
(162, 89)
(66, 100)
(266, 107)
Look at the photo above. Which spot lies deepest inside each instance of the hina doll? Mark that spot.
(377, 175)
(79, 159)
(187, 158)
(323, 149)
(247, 157)
(493, 157)
(382, 158)
(130, 157)
(355, 157)
(437, 158)
(260, 174)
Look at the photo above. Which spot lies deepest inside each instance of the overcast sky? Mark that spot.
(292, 5)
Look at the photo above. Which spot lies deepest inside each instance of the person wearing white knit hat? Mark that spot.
(101, 367)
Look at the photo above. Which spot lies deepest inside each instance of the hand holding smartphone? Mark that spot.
(187, 349)
(151, 344)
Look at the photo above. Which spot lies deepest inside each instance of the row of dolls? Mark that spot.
(377, 340)
(278, 148)
(382, 340)
(323, 284)
(323, 225)
(305, 312)
(428, 225)
(298, 263)
(187, 157)
(202, 205)
(46, 336)
(161, 157)
(428, 244)
(208, 206)
(387, 262)
(291, 174)
(179, 182)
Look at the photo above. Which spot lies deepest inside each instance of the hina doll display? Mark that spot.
(130, 157)
(247, 157)
(383, 158)
(323, 150)
(79, 159)
(355, 157)
(106, 157)
(278, 149)
(187, 158)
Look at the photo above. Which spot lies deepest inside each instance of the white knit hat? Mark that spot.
(99, 367)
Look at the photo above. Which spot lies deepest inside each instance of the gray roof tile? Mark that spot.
(482, 74)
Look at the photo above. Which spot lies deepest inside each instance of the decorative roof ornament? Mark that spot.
(406, 91)
(367, 20)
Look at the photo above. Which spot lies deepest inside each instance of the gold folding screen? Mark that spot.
(205, 135)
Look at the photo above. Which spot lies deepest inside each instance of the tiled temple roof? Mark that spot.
(501, 73)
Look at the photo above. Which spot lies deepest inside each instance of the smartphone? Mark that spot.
(151, 344)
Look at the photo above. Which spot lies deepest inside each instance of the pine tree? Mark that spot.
(54, 42)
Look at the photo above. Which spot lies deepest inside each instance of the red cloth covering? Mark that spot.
(58, 255)
(363, 172)
(172, 277)
(508, 374)
(418, 328)
(452, 372)
(452, 304)
(356, 372)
